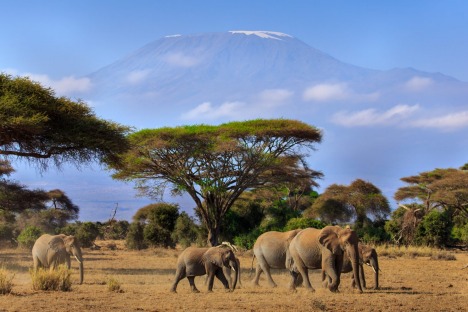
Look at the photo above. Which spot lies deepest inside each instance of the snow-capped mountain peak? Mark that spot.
(262, 34)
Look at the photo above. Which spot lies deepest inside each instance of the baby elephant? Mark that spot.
(200, 261)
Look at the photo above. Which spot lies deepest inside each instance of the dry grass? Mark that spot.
(407, 284)
(44, 279)
(6, 281)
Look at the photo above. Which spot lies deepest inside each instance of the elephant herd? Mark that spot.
(332, 249)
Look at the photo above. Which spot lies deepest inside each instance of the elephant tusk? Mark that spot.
(233, 269)
(77, 259)
(374, 269)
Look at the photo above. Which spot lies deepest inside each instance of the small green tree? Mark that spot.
(185, 231)
(28, 237)
(135, 238)
(434, 229)
(303, 223)
(86, 233)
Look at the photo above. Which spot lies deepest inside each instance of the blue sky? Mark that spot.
(57, 42)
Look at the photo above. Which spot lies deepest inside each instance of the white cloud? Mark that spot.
(417, 83)
(137, 76)
(447, 122)
(181, 60)
(62, 87)
(371, 117)
(325, 92)
(207, 111)
(274, 97)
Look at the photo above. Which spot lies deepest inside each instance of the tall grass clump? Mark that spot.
(59, 279)
(6, 283)
(114, 285)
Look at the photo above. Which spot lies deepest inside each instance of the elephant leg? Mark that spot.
(220, 275)
(191, 280)
(180, 274)
(294, 277)
(258, 271)
(266, 268)
(210, 278)
(361, 273)
(302, 269)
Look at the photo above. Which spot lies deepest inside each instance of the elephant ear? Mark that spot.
(329, 239)
(70, 241)
(56, 243)
(347, 236)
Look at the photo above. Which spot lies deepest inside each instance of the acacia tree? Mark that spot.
(38, 126)
(437, 189)
(214, 164)
(340, 203)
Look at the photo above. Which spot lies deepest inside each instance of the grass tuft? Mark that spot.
(6, 283)
(443, 255)
(114, 285)
(44, 279)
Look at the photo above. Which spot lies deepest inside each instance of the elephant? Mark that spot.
(49, 251)
(226, 270)
(367, 255)
(270, 249)
(323, 249)
(194, 261)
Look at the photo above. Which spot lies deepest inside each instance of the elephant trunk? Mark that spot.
(236, 269)
(354, 257)
(81, 272)
(374, 263)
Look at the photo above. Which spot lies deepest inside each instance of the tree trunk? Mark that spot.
(213, 235)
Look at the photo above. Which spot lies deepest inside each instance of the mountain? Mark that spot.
(378, 125)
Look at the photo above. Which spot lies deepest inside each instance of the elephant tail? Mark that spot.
(251, 266)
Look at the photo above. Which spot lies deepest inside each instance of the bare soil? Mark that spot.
(407, 284)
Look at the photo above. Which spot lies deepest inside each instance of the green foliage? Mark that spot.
(40, 127)
(86, 233)
(302, 223)
(156, 235)
(135, 238)
(277, 216)
(185, 231)
(434, 230)
(374, 233)
(28, 237)
(115, 229)
(460, 233)
(7, 232)
(247, 240)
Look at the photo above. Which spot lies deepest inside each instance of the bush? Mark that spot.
(135, 238)
(460, 233)
(116, 229)
(302, 223)
(28, 237)
(44, 279)
(434, 229)
(185, 231)
(86, 233)
(247, 241)
(7, 232)
(157, 236)
(6, 283)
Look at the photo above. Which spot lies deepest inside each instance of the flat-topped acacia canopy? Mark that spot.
(215, 164)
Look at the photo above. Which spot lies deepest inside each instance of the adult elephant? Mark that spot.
(200, 261)
(367, 255)
(49, 251)
(271, 249)
(323, 249)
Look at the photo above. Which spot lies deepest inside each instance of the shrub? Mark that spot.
(44, 279)
(185, 231)
(6, 283)
(247, 241)
(86, 233)
(28, 237)
(135, 238)
(116, 229)
(6, 232)
(434, 229)
(302, 223)
(157, 236)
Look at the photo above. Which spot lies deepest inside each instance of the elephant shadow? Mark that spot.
(138, 271)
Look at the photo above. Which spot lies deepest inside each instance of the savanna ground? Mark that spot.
(407, 284)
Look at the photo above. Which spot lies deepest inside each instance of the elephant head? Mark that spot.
(369, 257)
(339, 240)
(70, 247)
(224, 257)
